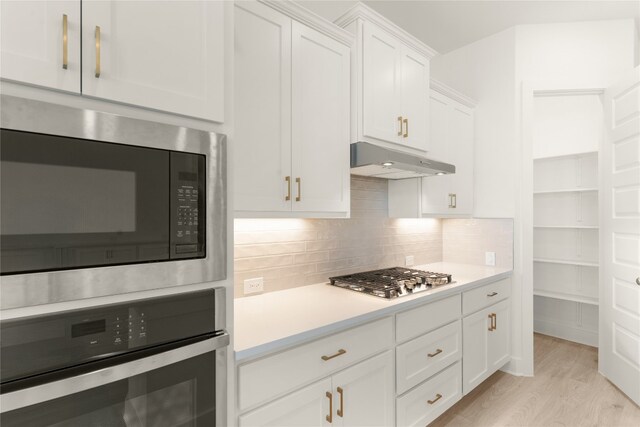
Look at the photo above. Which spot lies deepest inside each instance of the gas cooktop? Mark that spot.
(391, 282)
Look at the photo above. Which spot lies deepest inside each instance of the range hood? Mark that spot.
(371, 160)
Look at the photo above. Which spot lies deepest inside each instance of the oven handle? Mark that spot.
(55, 389)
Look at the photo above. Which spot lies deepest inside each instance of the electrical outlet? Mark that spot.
(409, 260)
(252, 286)
(490, 258)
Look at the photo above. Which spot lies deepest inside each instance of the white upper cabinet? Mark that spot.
(163, 55)
(40, 43)
(451, 139)
(292, 110)
(391, 77)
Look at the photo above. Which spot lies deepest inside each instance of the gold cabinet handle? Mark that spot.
(406, 128)
(437, 352)
(330, 397)
(438, 397)
(288, 181)
(491, 322)
(341, 410)
(455, 200)
(299, 196)
(495, 321)
(339, 353)
(451, 200)
(65, 42)
(492, 294)
(399, 125)
(97, 52)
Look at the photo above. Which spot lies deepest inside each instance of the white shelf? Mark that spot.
(559, 261)
(585, 227)
(566, 156)
(574, 298)
(566, 190)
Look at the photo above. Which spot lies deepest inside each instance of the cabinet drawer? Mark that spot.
(416, 322)
(486, 295)
(428, 401)
(275, 375)
(422, 357)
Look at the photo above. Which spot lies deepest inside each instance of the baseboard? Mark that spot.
(566, 332)
(517, 367)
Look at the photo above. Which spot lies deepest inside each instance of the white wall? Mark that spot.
(492, 70)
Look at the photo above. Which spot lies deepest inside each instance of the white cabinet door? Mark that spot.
(262, 140)
(306, 407)
(32, 48)
(363, 394)
(415, 106)
(435, 189)
(476, 365)
(320, 121)
(165, 55)
(382, 90)
(461, 132)
(499, 337)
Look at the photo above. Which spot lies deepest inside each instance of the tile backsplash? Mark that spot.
(295, 252)
(289, 253)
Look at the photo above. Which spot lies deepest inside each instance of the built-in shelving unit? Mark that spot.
(565, 215)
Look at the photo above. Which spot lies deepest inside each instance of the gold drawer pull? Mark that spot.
(406, 128)
(65, 42)
(438, 397)
(330, 397)
(495, 321)
(288, 196)
(490, 316)
(340, 411)
(97, 52)
(339, 353)
(492, 294)
(438, 351)
(299, 196)
(400, 125)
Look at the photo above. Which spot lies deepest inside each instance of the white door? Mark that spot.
(415, 105)
(382, 107)
(363, 395)
(619, 349)
(262, 138)
(320, 121)
(306, 407)
(499, 337)
(165, 55)
(461, 129)
(33, 46)
(435, 189)
(476, 365)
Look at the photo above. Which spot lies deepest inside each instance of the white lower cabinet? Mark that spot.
(428, 401)
(361, 395)
(486, 343)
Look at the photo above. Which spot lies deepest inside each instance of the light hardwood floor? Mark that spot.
(567, 390)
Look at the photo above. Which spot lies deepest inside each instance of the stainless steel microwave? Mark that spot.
(94, 204)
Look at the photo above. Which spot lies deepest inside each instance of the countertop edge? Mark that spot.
(271, 347)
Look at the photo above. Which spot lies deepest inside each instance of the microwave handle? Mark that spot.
(55, 389)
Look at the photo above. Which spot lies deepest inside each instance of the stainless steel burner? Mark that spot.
(391, 282)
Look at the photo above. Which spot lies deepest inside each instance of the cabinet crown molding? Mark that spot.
(310, 19)
(364, 12)
(452, 93)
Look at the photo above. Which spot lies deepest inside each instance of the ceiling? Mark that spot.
(448, 25)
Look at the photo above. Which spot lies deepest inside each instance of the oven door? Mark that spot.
(185, 386)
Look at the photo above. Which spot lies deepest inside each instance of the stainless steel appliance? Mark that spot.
(372, 160)
(97, 204)
(391, 282)
(153, 362)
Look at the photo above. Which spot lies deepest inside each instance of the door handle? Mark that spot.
(341, 410)
(299, 196)
(400, 125)
(339, 353)
(492, 294)
(330, 397)
(490, 316)
(451, 200)
(65, 42)
(437, 352)
(495, 321)
(638, 281)
(406, 128)
(97, 51)
(455, 200)
(288, 181)
(438, 397)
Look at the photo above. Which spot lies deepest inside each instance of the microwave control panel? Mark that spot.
(187, 205)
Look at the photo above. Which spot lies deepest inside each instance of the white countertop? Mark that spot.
(276, 320)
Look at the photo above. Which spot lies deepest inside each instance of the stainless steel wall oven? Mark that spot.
(95, 204)
(149, 363)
